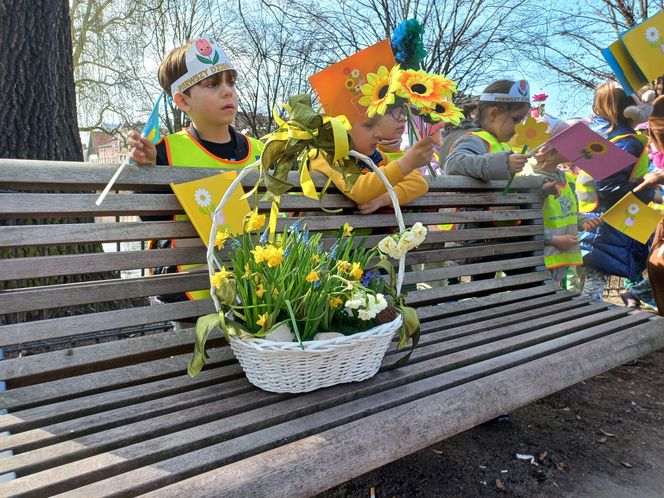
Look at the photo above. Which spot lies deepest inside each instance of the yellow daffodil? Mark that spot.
(274, 255)
(262, 320)
(531, 133)
(343, 266)
(444, 111)
(335, 302)
(347, 230)
(247, 271)
(218, 278)
(255, 221)
(420, 88)
(260, 291)
(259, 254)
(220, 238)
(375, 92)
(356, 271)
(315, 259)
(312, 277)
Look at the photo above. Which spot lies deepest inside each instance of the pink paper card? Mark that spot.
(590, 151)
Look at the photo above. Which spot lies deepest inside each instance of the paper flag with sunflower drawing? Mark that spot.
(633, 218)
(591, 152)
(199, 198)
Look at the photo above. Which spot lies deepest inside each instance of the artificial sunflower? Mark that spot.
(376, 91)
(531, 133)
(443, 111)
(419, 88)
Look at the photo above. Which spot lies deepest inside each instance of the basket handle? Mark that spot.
(211, 259)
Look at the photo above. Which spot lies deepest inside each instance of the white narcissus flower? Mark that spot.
(365, 315)
(419, 231)
(387, 245)
(357, 301)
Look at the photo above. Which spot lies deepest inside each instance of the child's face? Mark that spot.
(366, 135)
(213, 101)
(500, 123)
(393, 123)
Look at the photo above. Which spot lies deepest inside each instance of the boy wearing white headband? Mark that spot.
(484, 152)
(201, 80)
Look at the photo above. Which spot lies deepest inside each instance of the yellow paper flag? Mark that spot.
(645, 43)
(531, 133)
(199, 198)
(633, 218)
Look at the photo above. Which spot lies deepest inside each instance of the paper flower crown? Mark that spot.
(519, 92)
(203, 59)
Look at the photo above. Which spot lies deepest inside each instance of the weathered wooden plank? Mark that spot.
(54, 175)
(26, 332)
(432, 274)
(48, 266)
(84, 233)
(436, 294)
(71, 264)
(187, 457)
(45, 205)
(320, 461)
(42, 235)
(474, 251)
(55, 296)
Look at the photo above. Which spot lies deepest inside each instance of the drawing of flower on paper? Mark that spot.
(652, 35)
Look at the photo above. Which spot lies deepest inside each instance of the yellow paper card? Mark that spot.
(645, 43)
(623, 65)
(633, 218)
(199, 198)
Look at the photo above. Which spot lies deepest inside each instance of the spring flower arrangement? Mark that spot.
(425, 97)
(293, 285)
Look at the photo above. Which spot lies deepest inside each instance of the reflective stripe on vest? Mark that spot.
(184, 151)
(560, 218)
(492, 142)
(585, 185)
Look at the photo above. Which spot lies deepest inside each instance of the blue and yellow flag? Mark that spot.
(151, 128)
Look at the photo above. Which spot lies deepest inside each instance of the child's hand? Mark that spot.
(516, 162)
(142, 150)
(418, 155)
(564, 242)
(374, 204)
(550, 187)
(590, 224)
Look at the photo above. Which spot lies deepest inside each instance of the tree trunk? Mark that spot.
(38, 114)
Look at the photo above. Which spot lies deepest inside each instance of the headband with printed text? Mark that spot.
(203, 59)
(520, 92)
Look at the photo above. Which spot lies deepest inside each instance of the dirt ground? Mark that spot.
(598, 439)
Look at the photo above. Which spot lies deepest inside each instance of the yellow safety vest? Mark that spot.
(561, 218)
(492, 142)
(585, 185)
(496, 146)
(183, 150)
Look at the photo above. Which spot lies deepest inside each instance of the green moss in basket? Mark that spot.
(294, 279)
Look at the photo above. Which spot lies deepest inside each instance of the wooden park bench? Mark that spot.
(89, 416)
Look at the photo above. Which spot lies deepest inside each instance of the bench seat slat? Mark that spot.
(188, 447)
(317, 462)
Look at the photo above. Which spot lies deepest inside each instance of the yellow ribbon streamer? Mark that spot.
(340, 127)
(306, 183)
(274, 214)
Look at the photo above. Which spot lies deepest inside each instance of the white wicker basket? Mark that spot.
(285, 366)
